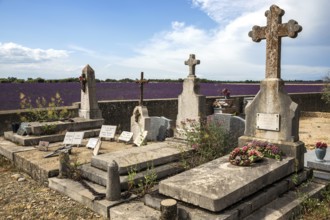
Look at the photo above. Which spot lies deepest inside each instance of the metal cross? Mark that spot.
(141, 82)
(192, 62)
(273, 33)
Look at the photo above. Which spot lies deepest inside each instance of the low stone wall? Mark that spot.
(118, 112)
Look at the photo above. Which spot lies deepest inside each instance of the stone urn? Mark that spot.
(320, 154)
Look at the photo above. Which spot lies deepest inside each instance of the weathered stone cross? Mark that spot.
(192, 62)
(141, 82)
(273, 33)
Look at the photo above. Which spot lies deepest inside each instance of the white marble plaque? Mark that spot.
(108, 131)
(126, 136)
(92, 142)
(140, 138)
(270, 122)
(97, 148)
(73, 138)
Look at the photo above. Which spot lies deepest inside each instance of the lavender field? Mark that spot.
(70, 92)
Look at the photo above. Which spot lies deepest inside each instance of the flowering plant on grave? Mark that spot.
(253, 152)
(320, 144)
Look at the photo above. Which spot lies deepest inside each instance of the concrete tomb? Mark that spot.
(191, 105)
(272, 116)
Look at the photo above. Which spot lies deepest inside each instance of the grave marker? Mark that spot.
(191, 105)
(108, 131)
(74, 138)
(89, 108)
(140, 139)
(272, 116)
(126, 136)
(92, 142)
(141, 83)
(97, 148)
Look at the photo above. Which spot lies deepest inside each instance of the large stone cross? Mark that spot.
(273, 33)
(141, 82)
(192, 62)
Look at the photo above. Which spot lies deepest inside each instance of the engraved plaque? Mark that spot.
(108, 131)
(270, 122)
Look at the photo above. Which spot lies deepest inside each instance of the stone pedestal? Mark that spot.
(191, 105)
(272, 116)
(140, 121)
(89, 108)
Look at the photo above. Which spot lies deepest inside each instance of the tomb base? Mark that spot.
(291, 149)
(90, 114)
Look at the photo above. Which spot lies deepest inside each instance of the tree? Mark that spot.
(326, 89)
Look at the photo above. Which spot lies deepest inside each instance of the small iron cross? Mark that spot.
(192, 62)
(141, 82)
(273, 33)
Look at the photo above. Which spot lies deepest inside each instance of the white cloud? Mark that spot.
(18, 54)
(227, 53)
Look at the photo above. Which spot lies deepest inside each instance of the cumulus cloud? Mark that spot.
(226, 52)
(18, 54)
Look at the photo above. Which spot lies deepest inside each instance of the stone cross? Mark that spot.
(192, 62)
(141, 82)
(273, 33)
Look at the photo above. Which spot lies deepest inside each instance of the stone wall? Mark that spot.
(119, 112)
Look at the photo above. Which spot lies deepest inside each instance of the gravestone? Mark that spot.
(234, 125)
(125, 136)
(191, 105)
(272, 116)
(140, 120)
(89, 108)
(108, 131)
(159, 128)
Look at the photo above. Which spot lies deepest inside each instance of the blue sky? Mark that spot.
(120, 38)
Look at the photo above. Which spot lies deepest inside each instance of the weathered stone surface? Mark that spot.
(8, 149)
(34, 140)
(159, 128)
(99, 176)
(191, 105)
(323, 166)
(134, 210)
(153, 154)
(89, 108)
(140, 121)
(218, 184)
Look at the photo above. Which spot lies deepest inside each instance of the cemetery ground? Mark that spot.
(27, 199)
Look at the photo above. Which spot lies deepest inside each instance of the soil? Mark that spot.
(28, 199)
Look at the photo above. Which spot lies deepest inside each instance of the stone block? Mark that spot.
(218, 184)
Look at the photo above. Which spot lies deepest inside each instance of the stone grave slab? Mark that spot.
(8, 149)
(159, 127)
(108, 131)
(141, 157)
(217, 184)
(125, 136)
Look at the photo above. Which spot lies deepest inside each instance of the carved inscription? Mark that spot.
(270, 122)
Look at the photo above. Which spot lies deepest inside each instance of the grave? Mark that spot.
(191, 105)
(90, 121)
(272, 116)
(89, 108)
(234, 125)
(157, 127)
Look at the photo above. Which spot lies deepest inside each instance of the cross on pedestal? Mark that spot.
(192, 62)
(141, 82)
(273, 33)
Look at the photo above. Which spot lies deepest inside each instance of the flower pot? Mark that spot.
(320, 154)
(217, 110)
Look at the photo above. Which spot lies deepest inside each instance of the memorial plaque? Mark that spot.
(92, 142)
(97, 148)
(270, 122)
(43, 145)
(126, 136)
(139, 140)
(73, 138)
(108, 131)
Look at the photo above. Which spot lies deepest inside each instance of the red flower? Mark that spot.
(321, 145)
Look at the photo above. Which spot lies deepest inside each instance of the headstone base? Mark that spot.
(90, 114)
(291, 149)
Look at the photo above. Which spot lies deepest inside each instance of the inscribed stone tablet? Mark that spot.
(269, 122)
(92, 142)
(97, 148)
(73, 138)
(125, 136)
(140, 138)
(108, 131)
